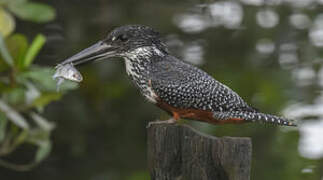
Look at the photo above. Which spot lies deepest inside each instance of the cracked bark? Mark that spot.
(178, 152)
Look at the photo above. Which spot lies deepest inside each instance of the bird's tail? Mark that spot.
(253, 117)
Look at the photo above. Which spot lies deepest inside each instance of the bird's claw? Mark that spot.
(169, 121)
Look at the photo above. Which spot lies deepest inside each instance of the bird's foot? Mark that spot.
(169, 121)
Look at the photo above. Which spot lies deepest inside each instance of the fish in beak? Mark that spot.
(66, 69)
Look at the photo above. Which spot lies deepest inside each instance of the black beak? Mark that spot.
(97, 51)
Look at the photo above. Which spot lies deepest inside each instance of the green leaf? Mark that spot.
(43, 151)
(17, 45)
(32, 92)
(45, 99)
(15, 96)
(3, 85)
(3, 126)
(20, 138)
(36, 12)
(7, 23)
(34, 49)
(4, 52)
(5, 2)
(13, 115)
(3, 65)
(40, 138)
(43, 123)
(43, 78)
(16, 1)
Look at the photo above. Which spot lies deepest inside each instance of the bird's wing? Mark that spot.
(182, 85)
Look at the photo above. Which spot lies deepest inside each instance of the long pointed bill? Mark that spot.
(99, 50)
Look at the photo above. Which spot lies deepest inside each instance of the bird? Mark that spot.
(181, 89)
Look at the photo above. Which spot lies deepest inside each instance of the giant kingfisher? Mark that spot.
(179, 88)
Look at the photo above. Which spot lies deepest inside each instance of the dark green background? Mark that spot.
(101, 132)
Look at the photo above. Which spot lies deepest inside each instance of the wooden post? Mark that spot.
(178, 152)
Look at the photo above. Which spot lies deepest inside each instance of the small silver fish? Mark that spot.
(67, 71)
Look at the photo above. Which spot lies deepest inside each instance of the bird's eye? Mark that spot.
(122, 38)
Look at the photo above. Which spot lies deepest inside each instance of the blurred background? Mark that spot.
(268, 51)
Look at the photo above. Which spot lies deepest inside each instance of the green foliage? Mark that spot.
(7, 23)
(3, 125)
(31, 11)
(17, 45)
(33, 50)
(4, 52)
(25, 10)
(25, 89)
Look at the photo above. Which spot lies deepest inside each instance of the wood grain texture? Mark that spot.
(178, 152)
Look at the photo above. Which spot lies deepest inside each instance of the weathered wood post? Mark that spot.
(178, 152)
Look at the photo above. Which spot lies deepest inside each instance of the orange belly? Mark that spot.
(195, 114)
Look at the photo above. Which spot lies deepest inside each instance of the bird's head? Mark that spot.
(119, 43)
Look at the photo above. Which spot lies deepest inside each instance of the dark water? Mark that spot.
(269, 53)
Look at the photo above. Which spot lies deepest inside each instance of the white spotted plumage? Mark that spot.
(136, 70)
